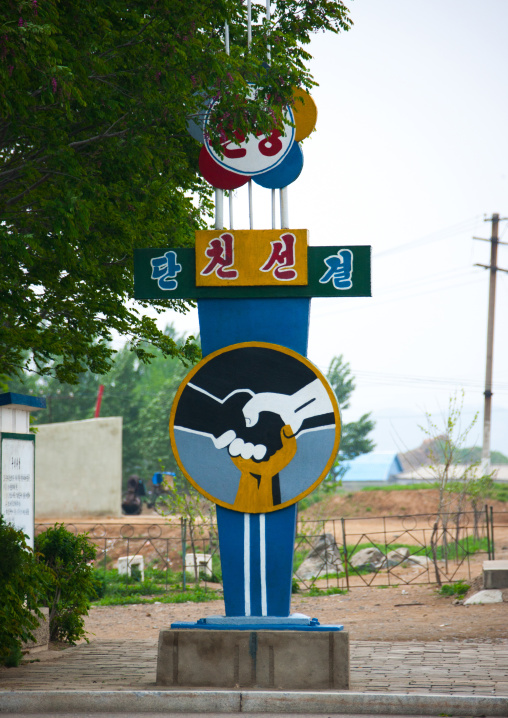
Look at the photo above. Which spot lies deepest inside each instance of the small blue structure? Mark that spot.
(377, 468)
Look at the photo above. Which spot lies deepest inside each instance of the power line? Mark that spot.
(368, 304)
(439, 235)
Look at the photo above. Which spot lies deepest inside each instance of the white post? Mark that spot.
(219, 193)
(226, 37)
(251, 214)
(219, 208)
(268, 53)
(249, 23)
(231, 209)
(284, 221)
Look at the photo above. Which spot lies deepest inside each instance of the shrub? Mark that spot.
(459, 588)
(73, 586)
(100, 582)
(22, 580)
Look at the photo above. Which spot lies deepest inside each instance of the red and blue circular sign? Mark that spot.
(272, 161)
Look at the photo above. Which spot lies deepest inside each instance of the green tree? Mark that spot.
(458, 477)
(354, 439)
(95, 158)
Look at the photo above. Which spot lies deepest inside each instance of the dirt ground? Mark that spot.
(402, 613)
(390, 614)
(387, 503)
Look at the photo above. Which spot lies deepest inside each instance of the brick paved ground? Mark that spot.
(457, 668)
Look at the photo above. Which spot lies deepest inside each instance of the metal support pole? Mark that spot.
(226, 37)
(344, 544)
(219, 208)
(488, 531)
(492, 544)
(184, 551)
(268, 52)
(249, 23)
(284, 221)
(251, 211)
(490, 344)
(231, 209)
(273, 208)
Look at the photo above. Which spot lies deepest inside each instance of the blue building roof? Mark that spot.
(22, 401)
(376, 466)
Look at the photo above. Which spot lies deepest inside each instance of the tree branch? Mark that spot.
(133, 41)
(104, 135)
(28, 189)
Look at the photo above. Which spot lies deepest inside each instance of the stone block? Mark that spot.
(125, 564)
(203, 563)
(41, 634)
(492, 595)
(495, 574)
(271, 659)
(370, 557)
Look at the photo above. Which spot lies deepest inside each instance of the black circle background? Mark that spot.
(260, 369)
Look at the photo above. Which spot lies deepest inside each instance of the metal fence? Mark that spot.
(395, 550)
(333, 553)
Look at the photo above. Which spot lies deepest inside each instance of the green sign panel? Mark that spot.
(332, 272)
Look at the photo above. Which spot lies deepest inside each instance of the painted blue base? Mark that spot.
(256, 549)
(254, 627)
(257, 561)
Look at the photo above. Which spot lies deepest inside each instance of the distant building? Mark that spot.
(377, 468)
(427, 474)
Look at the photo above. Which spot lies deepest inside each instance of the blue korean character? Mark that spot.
(340, 269)
(165, 269)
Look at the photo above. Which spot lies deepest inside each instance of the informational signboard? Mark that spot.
(255, 427)
(17, 482)
(338, 271)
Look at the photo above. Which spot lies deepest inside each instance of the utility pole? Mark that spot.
(494, 242)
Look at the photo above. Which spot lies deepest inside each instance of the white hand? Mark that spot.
(247, 450)
(224, 439)
(310, 401)
(239, 447)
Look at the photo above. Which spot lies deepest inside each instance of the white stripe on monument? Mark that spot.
(246, 561)
(262, 562)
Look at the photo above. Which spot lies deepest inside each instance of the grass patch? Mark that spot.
(499, 492)
(402, 487)
(159, 584)
(320, 494)
(459, 588)
(195, 595)
(315, 591)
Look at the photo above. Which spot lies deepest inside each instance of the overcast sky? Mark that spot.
(410, 155)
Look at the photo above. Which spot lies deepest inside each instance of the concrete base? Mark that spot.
(287, 660)
(495, 574)
(41, 634)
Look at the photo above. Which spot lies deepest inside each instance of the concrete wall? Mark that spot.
(78, 468)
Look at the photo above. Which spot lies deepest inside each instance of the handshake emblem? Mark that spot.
(240, 420)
